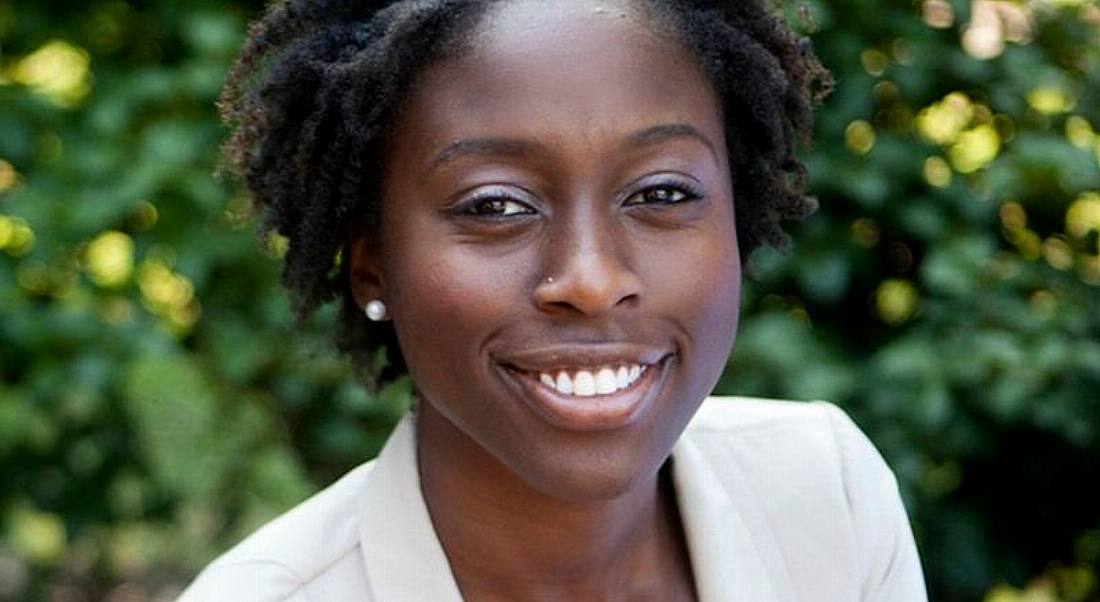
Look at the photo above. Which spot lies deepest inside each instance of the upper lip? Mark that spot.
(566, 356)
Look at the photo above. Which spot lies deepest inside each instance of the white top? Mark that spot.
(779, 501)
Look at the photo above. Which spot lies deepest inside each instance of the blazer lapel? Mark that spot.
(725, 559)
(404, 559)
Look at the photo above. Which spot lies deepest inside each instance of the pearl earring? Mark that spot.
(375, 310)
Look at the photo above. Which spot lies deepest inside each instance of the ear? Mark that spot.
(365, 271)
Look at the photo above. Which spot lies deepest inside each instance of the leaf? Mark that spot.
(175, 415)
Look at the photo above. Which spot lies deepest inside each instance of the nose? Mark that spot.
(587, 269)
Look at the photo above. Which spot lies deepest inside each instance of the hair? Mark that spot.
(312, 92)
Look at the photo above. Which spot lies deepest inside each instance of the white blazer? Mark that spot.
(779, 501)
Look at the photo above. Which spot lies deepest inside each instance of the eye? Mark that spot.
(498, 208)
(493, 204)
(665, 193)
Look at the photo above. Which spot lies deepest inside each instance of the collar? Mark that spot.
(405, 560)
(725, 554)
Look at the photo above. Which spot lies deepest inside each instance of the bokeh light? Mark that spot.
(938, 13)
(874, 61)
(168, 294)
(975, 148)
(8, 176)
(1050, 100)
(16, 235)
(937, 172)
(866, 232)
(1058, 252)
(942, 121)
(144, 216)
(109, 259)
(859, 136)
(1014, 226)
(993, 23)
(896, 301)
(1079, 132)
(1083, 215)
(38, 537)
(58, 70)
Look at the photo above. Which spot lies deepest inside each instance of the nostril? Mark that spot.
(629, 299)
(561, 305)
(587, 299)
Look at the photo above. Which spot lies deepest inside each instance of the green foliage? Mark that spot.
(948, 293)
(155, 404)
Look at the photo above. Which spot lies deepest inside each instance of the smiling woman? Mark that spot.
(543, 209)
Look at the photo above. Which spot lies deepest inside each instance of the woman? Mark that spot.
(541, 210)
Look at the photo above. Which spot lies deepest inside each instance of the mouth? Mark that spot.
(589, 398)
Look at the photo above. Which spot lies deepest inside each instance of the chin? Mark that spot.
(584, 473)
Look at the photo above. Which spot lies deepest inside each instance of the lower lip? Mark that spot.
(593, 413)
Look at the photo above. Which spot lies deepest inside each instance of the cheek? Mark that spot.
(719, 279)
(722, 305)
(719, 313)
(699, 281)
(447, 298)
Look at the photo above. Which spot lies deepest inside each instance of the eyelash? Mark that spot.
(689, 192)
(470, 206)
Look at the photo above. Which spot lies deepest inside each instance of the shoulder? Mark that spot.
(818, 432)
(824, 492)
(791, 450)
(304, 550)
(726, 413)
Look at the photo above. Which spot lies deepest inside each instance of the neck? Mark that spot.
(506, 540)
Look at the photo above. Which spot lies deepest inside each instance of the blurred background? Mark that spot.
(156, 403)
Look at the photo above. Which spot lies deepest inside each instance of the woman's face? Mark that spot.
(557, 215)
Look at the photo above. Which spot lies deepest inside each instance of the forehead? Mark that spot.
(564, 72)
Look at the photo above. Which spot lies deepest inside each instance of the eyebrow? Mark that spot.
(672, 131)
(492, 147)
(519, 148)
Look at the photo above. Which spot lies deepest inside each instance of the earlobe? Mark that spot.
(364, 271)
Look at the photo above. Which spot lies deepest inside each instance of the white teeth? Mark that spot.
(605, 381)
(585, 383)
(564, 383)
